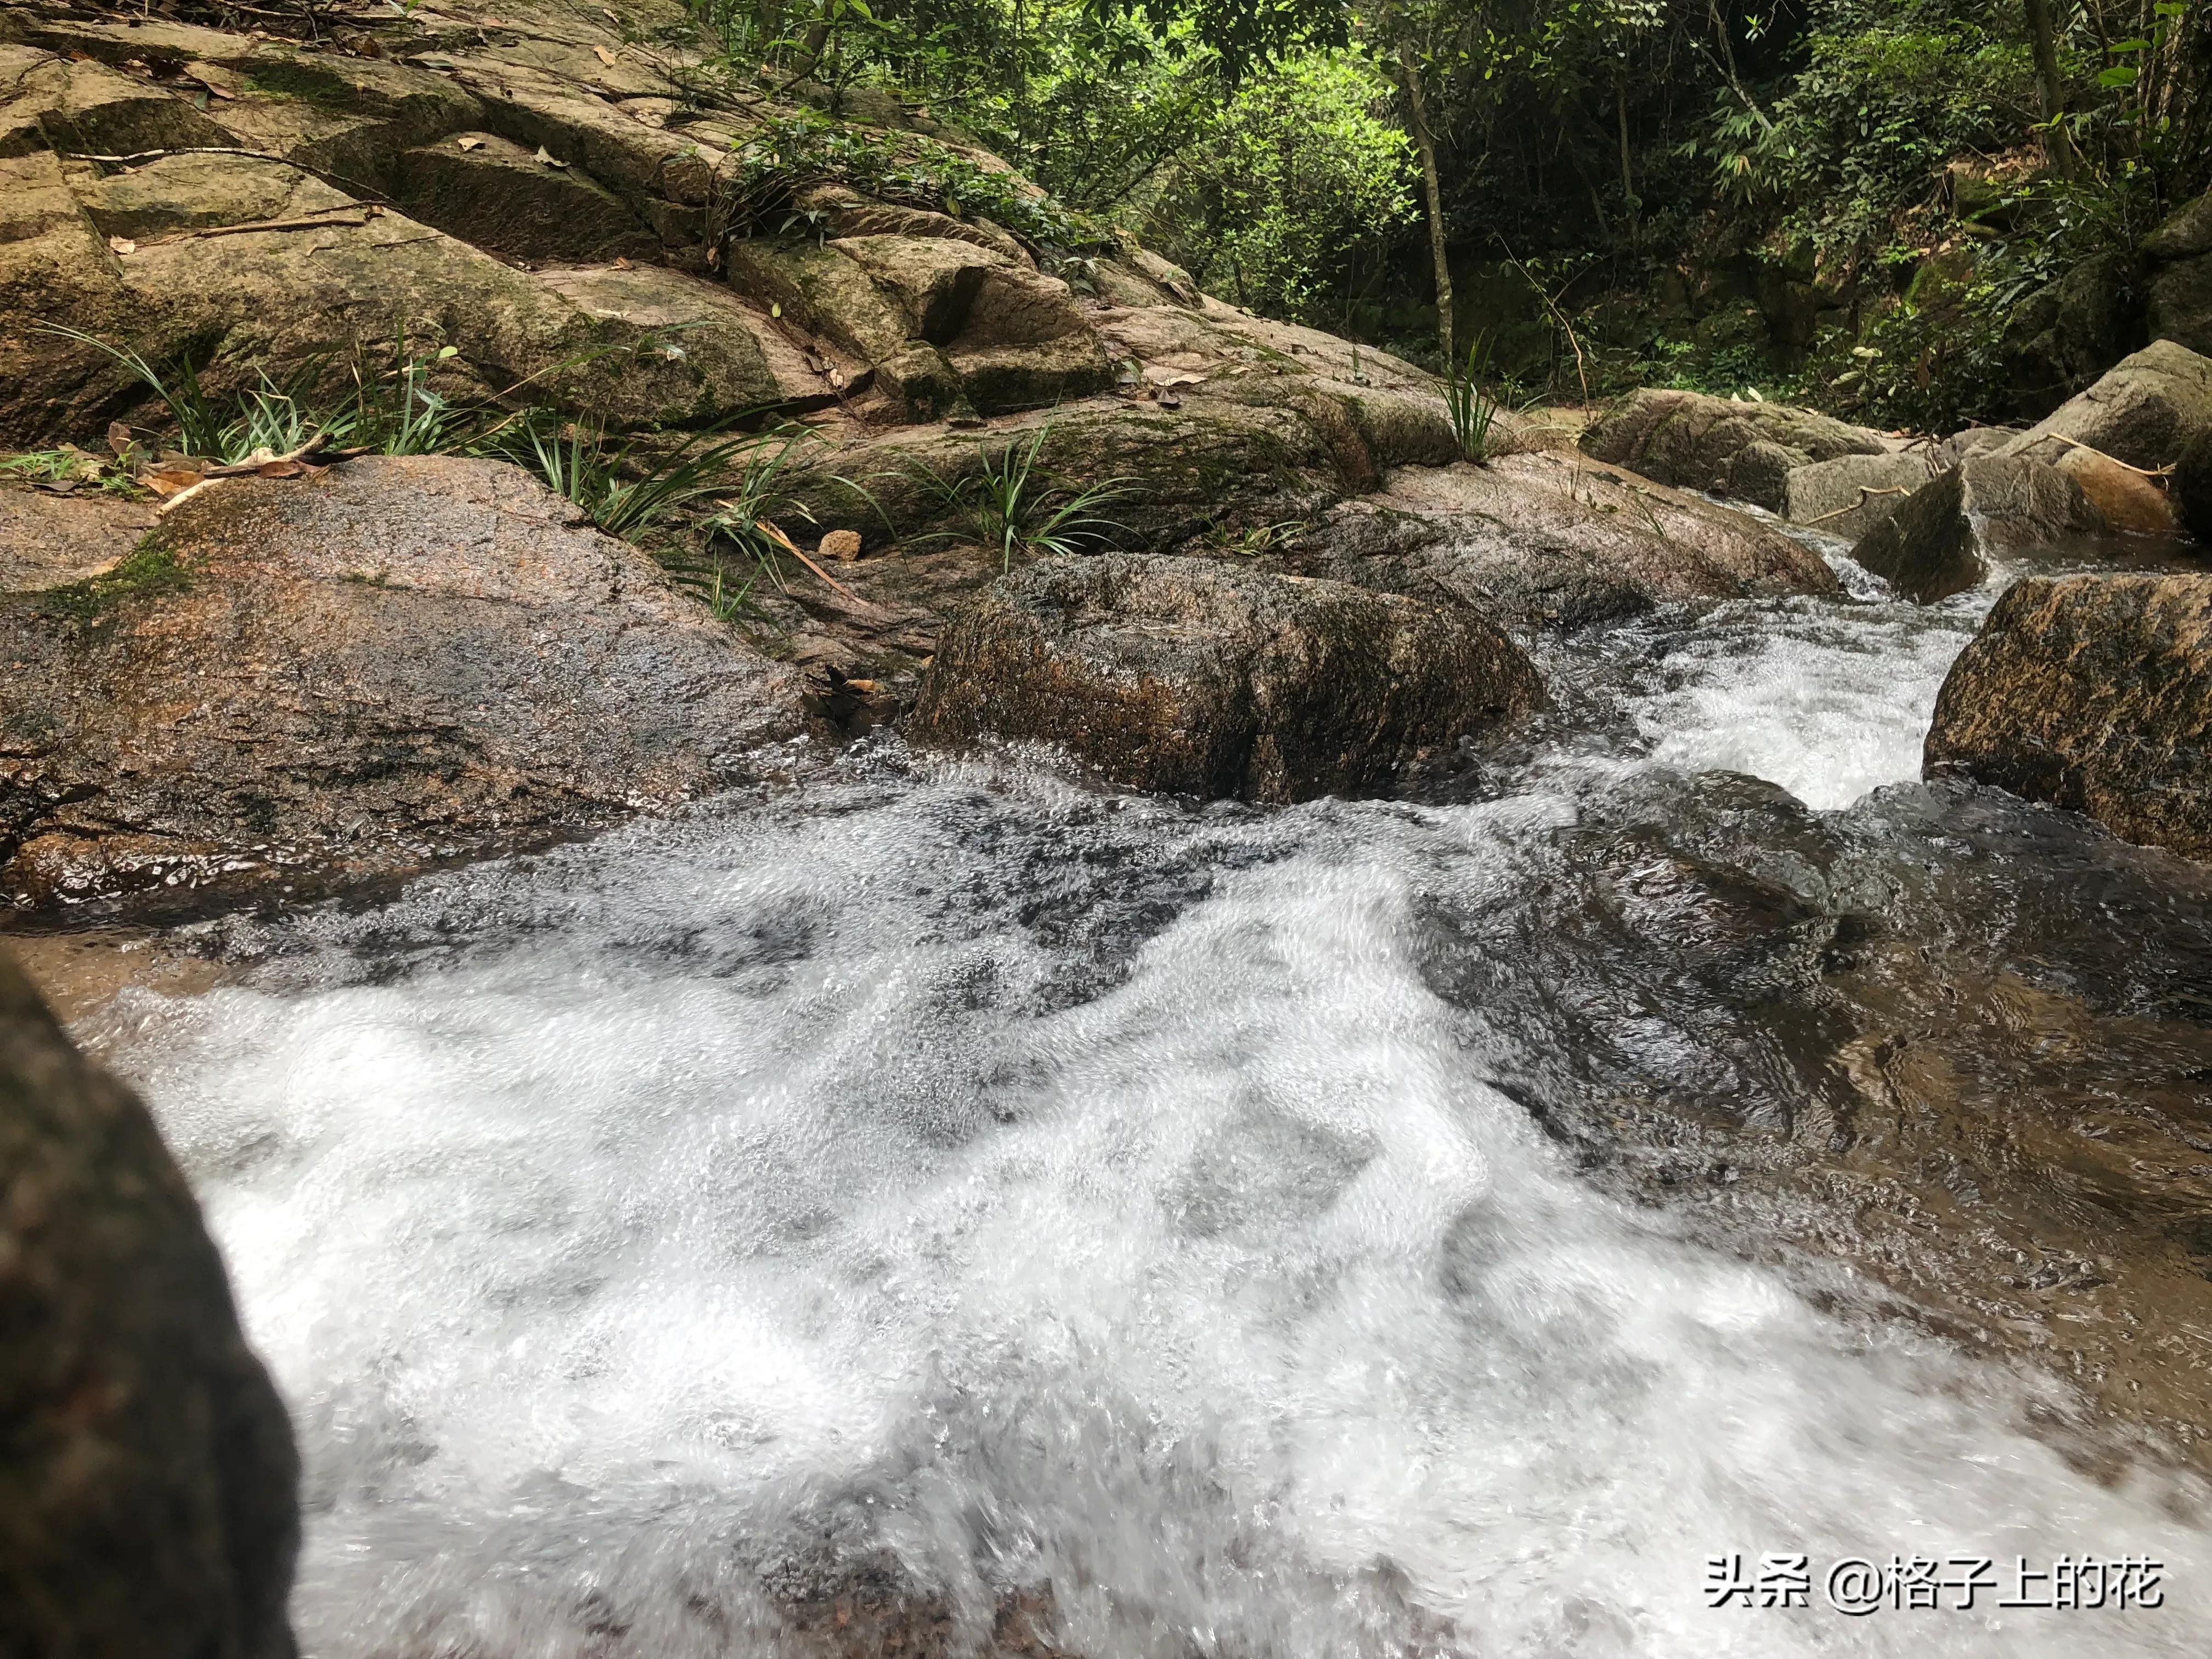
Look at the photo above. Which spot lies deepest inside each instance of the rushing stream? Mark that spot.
(937, 1182)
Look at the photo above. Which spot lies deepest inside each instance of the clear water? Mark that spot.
(943, 1184)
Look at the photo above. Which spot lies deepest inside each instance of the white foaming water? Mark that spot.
(1827, 701)
(783, 1188)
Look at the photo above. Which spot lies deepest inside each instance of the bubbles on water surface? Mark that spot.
(968, 1190)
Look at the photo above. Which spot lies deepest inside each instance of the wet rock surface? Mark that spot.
(309, 680)
(1941, 539)
(1193, 677)
(149, 1505)
(2093, 693)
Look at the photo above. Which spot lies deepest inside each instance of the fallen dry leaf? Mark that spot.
(605, 56)
(547, 156)
(170, 481)
(620, 264)
(121, 245)
(118, 438)
(469, 140)
(280, 469)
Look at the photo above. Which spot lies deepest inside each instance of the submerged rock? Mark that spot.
(2093, 693)
(1700, 442)
(320, 680)
(1940, 540)
(151, 1508)
(1193, 676)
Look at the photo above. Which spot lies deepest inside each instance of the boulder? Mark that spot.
(1181, 471)
(1940, 540)
(492, 192)
(293, 684)
(2093, 693)
(2126, 499)
(1715, 444)
(2059, 339)
(1847, 497)
(2144, 412)
(1197, 677)
(2178, 258)
(150, 1505)
(1540, 541)
(2192, 486)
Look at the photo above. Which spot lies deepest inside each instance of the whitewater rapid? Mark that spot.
(945, 1174)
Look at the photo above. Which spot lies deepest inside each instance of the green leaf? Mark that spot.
(2120, 75)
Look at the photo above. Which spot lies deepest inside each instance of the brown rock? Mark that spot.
(840, 545)
(1196, 676)
(1699, 442)
(319, 681)
(149, 1509)
(47, 540)
(2093, 693)
(2144, 412)
(1941, 540)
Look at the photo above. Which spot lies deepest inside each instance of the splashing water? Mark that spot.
(963, 1183)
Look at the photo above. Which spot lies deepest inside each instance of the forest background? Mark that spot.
(1915, 212)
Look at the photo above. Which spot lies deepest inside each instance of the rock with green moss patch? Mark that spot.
(303, 683)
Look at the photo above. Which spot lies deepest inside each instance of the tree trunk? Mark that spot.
(1627, 180)
(2043, 35)
(1409, 76)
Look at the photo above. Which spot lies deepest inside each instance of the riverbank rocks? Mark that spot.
(297, 684)
(1940, 541)
(2192, 487)
(1543, 540)
(1742, 449)
(2144, 411)
(2178, 257)
(1193, 676)
(2092, 693)
(149, 1509)
(1850, 495)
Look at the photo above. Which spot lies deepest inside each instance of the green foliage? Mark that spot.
(621, 488)
(1292, 204)
(1472, 412)
(1013, 505)
(788, 153)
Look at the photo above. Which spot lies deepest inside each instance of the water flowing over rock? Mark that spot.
(1192, 677)
(351, 676)
(1717, 444)
(1939, 542)
(2093, 693)
(148, 1509)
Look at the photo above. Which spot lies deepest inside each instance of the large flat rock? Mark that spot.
(303, 683)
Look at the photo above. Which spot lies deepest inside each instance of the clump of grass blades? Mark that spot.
(394, 407)
(1012, 505)
(1472, 412)
(621, 490)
